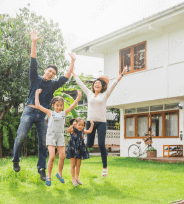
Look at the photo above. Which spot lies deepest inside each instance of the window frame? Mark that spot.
(136, 124)
(149, 123)
(132, 58)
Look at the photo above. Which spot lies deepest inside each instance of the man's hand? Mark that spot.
(34, 36)
(73, 57)
(38, 91)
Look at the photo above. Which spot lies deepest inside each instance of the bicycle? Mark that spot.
(135, 150)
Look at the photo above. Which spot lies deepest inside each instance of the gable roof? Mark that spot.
(152, 23)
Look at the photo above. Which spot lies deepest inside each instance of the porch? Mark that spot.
(164, 159)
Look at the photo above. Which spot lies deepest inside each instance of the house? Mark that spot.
(152, 91)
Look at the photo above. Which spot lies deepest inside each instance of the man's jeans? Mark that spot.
(31, 115)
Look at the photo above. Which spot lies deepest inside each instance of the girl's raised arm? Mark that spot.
(74, 103)
(37, 103)
(80, 83)
(90, 129)
(71, 127)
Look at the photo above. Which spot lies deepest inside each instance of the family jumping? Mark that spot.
(41, 106)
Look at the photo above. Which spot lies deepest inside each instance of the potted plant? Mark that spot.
(152, 152)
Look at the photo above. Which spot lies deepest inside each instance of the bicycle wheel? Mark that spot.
(133, 151)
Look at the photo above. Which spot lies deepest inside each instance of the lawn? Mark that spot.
(128, 181)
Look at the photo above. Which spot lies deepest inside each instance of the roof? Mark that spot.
(152, 23)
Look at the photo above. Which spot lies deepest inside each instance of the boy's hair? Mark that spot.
(77, 120)
(53, 66)
(57, 98)
(104, 85)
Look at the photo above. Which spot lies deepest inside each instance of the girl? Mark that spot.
(97, 98)
(76, 147)
(55, 131)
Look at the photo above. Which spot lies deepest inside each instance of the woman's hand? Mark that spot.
(124, 70)
(79, 93)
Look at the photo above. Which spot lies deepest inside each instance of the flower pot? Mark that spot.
(152, 153)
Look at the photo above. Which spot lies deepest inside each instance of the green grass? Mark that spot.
(128, 181)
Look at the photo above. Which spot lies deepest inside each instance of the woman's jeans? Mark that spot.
(101, 128)
(29, 116)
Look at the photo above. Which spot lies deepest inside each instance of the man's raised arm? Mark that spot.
(70, 69)
(34, 39)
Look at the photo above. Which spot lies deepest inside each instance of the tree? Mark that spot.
(15, 46)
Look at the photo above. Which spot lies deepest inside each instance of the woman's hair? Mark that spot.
(77, 120)
(55, 99)
(104, 81)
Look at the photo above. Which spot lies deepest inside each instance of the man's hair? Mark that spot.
(53, 66)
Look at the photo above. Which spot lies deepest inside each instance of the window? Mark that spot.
(112, 125)
(171, 124)
(164, 124)
(134, 57)
(156, 124)
(130, 127)
(142, 125)
(131, 110)
(171, 106)
(156, 108)
(143, 109)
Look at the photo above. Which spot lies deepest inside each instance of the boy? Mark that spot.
(31, 114)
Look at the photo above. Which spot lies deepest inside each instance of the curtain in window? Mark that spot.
(156, 124)
(142, 125)
(171, 124)
(130, 127)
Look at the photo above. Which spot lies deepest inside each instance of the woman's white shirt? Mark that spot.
(96, 105)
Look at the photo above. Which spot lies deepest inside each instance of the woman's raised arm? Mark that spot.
(115, 82)
(81, 84)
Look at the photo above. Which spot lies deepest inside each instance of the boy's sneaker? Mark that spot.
(16, 166)
(41, 171)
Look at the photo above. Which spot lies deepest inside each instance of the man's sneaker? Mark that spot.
(41, 171)
(16, 166)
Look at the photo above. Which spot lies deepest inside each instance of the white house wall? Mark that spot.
(163, 77)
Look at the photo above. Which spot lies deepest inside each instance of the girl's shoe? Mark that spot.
(104, 173)
(79, 182)
(60, 178)
(48, 183)
(75, 183)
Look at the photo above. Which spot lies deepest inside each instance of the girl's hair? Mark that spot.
(104, 81)
(77, 120)
(57, 98)
(72, 120)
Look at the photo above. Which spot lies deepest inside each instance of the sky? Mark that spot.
(82, 21)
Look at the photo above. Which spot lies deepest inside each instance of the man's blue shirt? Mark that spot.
(37, 82)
